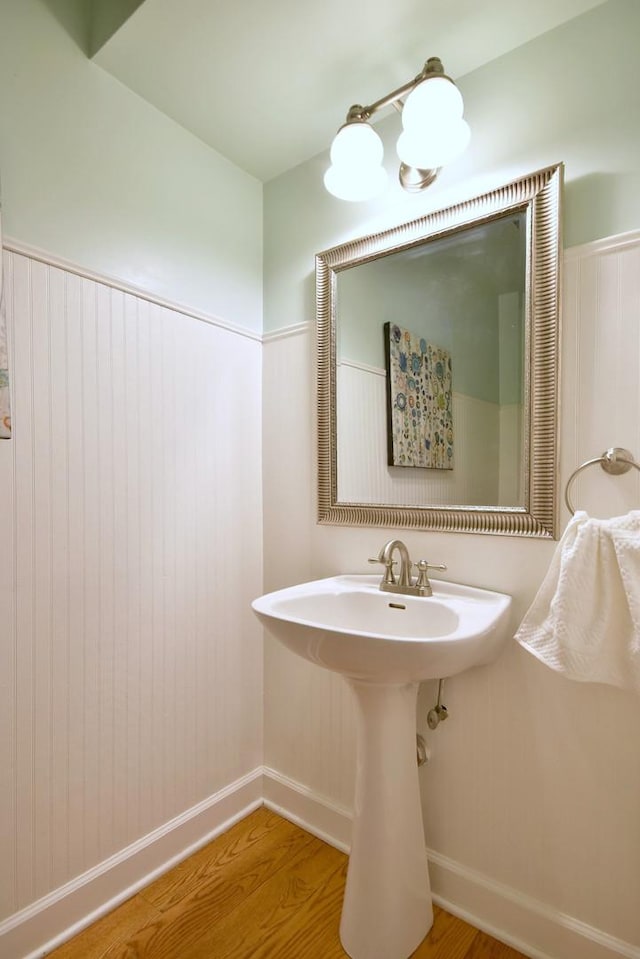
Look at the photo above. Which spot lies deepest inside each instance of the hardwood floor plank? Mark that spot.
(484, 947)
(313, 932)
(265, 889)
(448, 938)
(272, 914)
(113, 928)
(240, 847)
(177, 931)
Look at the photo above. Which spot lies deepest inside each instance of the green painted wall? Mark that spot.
(94, 174)
(571, 95)
(107, 16)
(450, 295)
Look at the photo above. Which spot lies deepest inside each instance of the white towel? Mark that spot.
(585, 619)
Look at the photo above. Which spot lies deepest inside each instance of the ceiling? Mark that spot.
(267, 83)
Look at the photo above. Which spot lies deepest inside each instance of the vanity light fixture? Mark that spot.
(434, 134)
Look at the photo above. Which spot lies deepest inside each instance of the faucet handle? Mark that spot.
(422, 566)
(388, 568)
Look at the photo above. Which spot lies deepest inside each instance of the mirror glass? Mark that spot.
(437, 360)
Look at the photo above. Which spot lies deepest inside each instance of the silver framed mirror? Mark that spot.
(437, 364)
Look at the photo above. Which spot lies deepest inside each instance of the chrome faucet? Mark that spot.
(404, 583)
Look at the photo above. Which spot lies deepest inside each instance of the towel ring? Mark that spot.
(614, 461)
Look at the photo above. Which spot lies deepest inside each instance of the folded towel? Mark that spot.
(585, 619)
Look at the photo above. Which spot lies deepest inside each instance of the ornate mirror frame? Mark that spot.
(538, 194)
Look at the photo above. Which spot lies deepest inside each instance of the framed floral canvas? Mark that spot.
(419, 401)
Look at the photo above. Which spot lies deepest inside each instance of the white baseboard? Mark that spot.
(526, 924)
(298, 803)
(41, 927)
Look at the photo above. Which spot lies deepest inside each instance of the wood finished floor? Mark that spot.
(263, 890)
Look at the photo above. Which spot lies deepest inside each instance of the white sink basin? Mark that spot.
(384, 644)
(348, 625)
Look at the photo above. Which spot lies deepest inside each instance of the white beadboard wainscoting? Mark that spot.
(484, 435)
(130, 549)
(601, 369)
(530, 798)
(130, 678)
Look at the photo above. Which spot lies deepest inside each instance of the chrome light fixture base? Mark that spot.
(437, 133)
(414, 180)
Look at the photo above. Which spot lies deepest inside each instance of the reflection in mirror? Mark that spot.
(465, 295)
(437, 360)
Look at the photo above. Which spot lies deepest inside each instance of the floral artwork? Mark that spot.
(420, 420)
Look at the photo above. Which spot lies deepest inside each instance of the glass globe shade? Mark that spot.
(434, 100)
(356, 143)
(435, 147)
(348, 182)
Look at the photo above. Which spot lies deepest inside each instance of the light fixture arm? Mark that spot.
(432, 68)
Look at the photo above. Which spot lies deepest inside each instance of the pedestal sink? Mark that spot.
(385, 645)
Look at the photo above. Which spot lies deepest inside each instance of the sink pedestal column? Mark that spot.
(387, 907)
